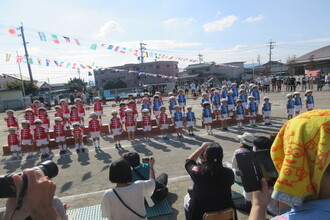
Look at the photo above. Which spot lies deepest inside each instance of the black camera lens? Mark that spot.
(49, 168)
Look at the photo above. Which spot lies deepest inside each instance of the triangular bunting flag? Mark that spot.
(55, 39)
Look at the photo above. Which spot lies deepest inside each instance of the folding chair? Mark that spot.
(225, 214)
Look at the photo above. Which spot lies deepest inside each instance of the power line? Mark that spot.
(271, 46)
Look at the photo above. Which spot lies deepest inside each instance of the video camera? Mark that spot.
(7, 185)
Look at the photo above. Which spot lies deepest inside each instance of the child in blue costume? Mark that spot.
(239, 110)
(190, 120)
(235, 90)
(253, 110)
(224, 92)
(216, 104)
(224, 113)
(171, 104)
(309, 100)
(266, 110)
(207, 117)
(255, 94)
(182, 99)
(177, 118)
(156, 104)
(231, 103)
(145, 104)
(297, 103)
(204, 99)
(290, 106)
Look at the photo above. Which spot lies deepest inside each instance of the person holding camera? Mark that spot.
(140, 171)
(126, 200)
(303, 163)
(38, 202)
(212, 182)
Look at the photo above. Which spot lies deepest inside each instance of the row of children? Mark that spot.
(39, 134)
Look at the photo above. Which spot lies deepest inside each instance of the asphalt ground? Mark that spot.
(84, 177)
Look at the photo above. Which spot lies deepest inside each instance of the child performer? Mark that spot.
(235, 91)
(224, 113)
(66, 113)
(239, 110)
(59, 113)
(78, 135)
(98, 108)
(160, 97)
(41, 138)
(231, 103)
(177, 118)
(224, 92)
(204, 99)
(11, 120)
(145, 104)
(156, 104)
(190, 120)
(122, 108)
(74, 115)
(162, 121)
(171, 104)
(216, 102)
(255, 94)
(252, 110)
(60, 137)
(130, 124)
(35, 106)
(94, 130)
(81, 111)
(14, 143)
(132, 105)
(243, 96)
(43, 116)
(146, 95)
(115, 128)
(266, 110)
(309, 100)
(290, 106)
(147, 124)
(207, 117)
(297, 103)
(29, 115)
(26, 137)
(182, 100)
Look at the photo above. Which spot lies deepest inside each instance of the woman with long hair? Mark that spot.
(212, 181)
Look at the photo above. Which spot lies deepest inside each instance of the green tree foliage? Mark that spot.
(29, 88)
(114, 84)
(76, 84)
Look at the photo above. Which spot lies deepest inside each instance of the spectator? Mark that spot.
(140, 171)
(304, 186)
(273, 83)
(310, 82)
(39, 202)
(193, 88)
(126, 200)
(327, 80)
(212, 182)
(303, 83)
(246, 141)
(292, 84)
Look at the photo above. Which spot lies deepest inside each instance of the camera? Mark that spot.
(145, 160)
(7, 185)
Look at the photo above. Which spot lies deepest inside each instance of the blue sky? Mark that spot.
(223, 31)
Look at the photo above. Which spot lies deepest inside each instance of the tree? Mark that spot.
(76, 85)
(311, 64)
(29, 88)
(114, 84)
(291, 64)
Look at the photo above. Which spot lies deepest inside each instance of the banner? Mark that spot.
(42, 36)
(55, 39)
(8, 55)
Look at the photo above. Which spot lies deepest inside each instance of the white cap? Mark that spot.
(97, 98)
(266, 97)
(251, 97)
(307, 91)
(189, 107)
(230, 91)
(224, 87)
(114, 112)
(289, 95)
(145, 110)
(75, 124)
(37, 121)
(241, 90)
(216, 91)
(177, 106)
(128, 110)
(9, 110)
(223, 100)
(206, 103)
(296, 93)
(172, 97)
(25, 122)
(29, 110)
(12, 129)
(62, 100)
(58, 119)
(92, 114)
(239, 100)
(77, 99)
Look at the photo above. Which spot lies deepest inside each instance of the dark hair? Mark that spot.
(132, 158)
(213, 159)
(262, 143)
(120, 172)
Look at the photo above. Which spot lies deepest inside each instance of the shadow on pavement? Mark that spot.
(159, 146)
(66, 186)
(86, 176)
(83, 158)
(64, 161)
(12, 167)
(101, 155)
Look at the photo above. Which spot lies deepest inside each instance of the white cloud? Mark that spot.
(178, 21)
(170, 21)
(221, 24)
(253, 19)
(110, 26)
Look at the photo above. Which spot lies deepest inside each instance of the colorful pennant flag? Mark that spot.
(11, 31)
(47, 62)
(68, 65)
(74, 66)
(30, 61)
(82, 66)
(42, 36)
(110, 47)
(93, 46)
(61, 64)
(136, 53)
(116, 49)
(67, 39)
(39, 61)
(56, 63)
(77, 42)
(123, 50)
(19, 59)
(8, 55)
(55, 39)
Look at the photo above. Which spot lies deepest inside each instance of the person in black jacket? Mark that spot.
(212, 182)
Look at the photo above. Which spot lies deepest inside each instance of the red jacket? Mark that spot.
(13, 139)
(26, 134)
(94, 125)
(115, 123)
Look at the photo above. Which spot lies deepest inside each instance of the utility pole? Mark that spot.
(271, 46)
(258, 59)
(142, 49)
(200, 57)
(20, 73)
(156, 65)
(26, 52)
(253, 69)
(78, 71)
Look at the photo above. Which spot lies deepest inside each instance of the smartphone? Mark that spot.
(254, 166)
(250, 173)
(145, 160)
